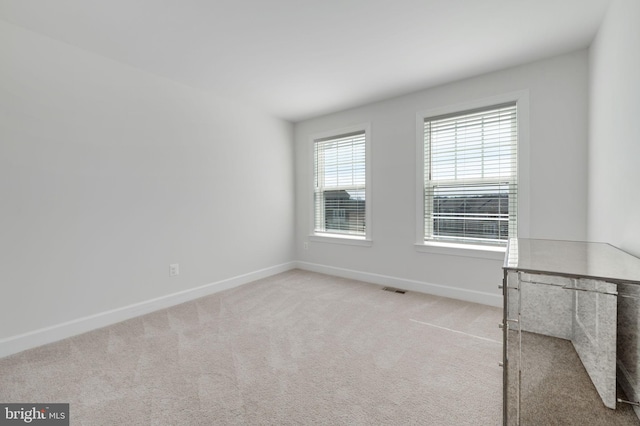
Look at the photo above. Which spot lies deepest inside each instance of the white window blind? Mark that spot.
(339, 180)
(470, 176)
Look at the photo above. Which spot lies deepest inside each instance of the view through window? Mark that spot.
(470, 176)
(340, 184)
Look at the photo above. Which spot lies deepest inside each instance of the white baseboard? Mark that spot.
(32, 339)
(405, 284)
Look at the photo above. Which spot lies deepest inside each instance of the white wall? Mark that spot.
(614, 155)
(614, 129)
(109, 174)
(557, 178)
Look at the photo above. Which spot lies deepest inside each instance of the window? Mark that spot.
(470, 176)
(340, 178)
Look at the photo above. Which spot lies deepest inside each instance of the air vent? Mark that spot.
(394, 290)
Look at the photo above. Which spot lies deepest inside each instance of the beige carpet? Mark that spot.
(296, 348)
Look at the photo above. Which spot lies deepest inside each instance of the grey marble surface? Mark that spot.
(568, 290)
(546, 310)
(556, 389)
(572, 258)
(594, 339)
(582, 311)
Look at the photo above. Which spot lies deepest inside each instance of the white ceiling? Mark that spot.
(302, 58)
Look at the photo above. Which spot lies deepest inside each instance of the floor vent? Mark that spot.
(394, 290)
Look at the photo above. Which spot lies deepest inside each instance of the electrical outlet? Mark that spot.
(306, 245)
(174, 269)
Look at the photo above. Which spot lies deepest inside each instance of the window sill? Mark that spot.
(340, 239)
(463, 250)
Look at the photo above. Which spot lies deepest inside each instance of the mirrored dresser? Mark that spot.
(570, 327)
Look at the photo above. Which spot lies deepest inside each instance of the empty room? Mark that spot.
(357, 212)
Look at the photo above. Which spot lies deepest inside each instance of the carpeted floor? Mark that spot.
(296, 348)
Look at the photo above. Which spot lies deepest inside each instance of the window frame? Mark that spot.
(342, 238)
(475, 249)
